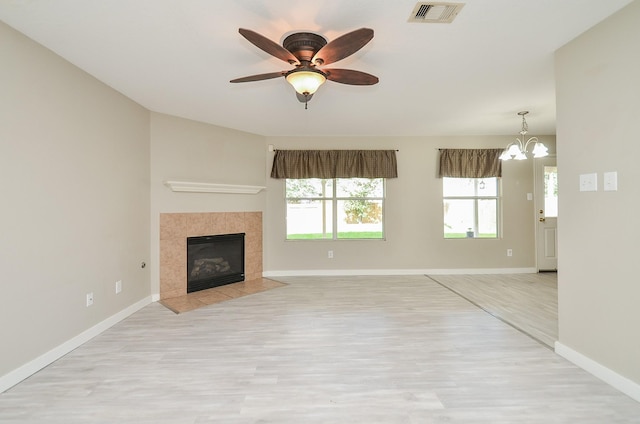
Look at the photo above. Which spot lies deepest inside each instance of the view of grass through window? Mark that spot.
(341, 208)
(470, 207)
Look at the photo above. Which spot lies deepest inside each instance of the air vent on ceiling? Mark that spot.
(430, 12)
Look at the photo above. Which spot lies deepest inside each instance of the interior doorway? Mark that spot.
(546, 216)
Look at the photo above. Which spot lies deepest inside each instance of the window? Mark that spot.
(551, 191)
(338, 208)
(470, 207)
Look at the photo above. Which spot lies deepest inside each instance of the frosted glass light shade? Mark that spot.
(306, 82)
(514, 150)
(520, 156)
(540, 150)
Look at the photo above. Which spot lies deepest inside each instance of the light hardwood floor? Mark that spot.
(318, 350)
(528, 302)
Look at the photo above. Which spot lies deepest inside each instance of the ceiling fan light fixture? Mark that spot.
(305, 81)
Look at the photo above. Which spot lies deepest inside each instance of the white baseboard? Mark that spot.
(342, 272)
(16, 376)
(610, 377)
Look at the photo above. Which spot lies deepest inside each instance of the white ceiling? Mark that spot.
(177, 56)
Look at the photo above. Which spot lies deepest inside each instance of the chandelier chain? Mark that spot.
(525, 126)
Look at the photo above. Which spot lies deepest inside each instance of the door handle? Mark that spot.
(543, 219)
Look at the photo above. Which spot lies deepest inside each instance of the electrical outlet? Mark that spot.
(118, 286)
(89, 299)
(509, 252)
(330, 254)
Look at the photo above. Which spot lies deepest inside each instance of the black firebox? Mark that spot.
(214, 261)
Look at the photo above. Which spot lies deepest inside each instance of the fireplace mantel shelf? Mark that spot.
(195, 187)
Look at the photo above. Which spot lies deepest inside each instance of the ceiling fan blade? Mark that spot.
(348, 76)
(260, 77)
(343, 46)
(268, 46)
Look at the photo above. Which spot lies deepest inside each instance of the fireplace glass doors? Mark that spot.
(214, 261)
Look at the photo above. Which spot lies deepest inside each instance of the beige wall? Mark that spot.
(413, 215)
(74, 166)
(598, 108)
(184, 150)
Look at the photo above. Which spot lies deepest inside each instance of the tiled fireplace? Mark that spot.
(176, 227)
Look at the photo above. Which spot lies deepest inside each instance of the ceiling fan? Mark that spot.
(307, 52)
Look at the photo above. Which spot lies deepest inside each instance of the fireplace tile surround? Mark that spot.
(176, 227)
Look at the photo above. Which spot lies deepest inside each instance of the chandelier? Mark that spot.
(518, 149)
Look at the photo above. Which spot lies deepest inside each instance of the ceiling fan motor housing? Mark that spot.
(304, 45)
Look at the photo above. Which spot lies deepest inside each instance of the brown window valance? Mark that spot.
(326, 164)
(470, 163)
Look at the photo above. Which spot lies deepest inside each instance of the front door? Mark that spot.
(546, 186)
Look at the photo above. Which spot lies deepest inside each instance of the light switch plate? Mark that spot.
(589, 182)
(610, 181)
